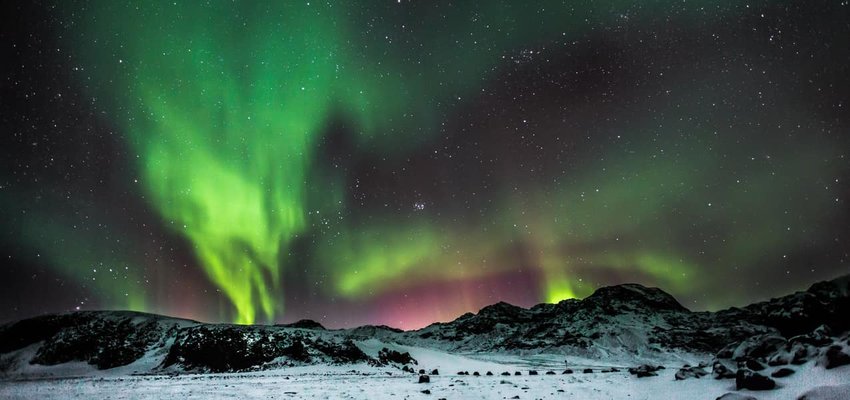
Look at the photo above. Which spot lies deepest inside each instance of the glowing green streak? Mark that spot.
(224, 116)
(224, 104)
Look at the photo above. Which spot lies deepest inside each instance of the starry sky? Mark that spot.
(404, 162)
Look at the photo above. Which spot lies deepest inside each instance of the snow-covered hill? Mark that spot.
(615, 328)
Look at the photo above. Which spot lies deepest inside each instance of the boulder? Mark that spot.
(835, 357)
(782, 372)
(687, 372)
(801, 353)
(821, 336)
(782, 357)
(747, 379)
(721, 371)
(645, 370)
(424, 379)
(759, 346)
(753, 365)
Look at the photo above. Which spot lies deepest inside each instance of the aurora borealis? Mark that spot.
(399, 163)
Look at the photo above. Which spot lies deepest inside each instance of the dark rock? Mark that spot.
(426, 391)
(305, 324)
(387, 356)
(782, 357)
(726, 351)
(758, 347)
(746, 379)
(517, 373)
(435, 372)
(424, 379)
(753, 365)
(638, 295)
(687, 372)
(836, 357)
(645, 370)
(489, 373)
(802, 353)
(532, 372)
(588, 371)
(476, 373)
(782, 372)
(229, 348)
(105, 340)
(421, 371)
(550, 372)
(720, 371)
(506, 373)
(819, 337)
(567, 371)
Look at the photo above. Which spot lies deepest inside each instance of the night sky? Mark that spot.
(404, 162)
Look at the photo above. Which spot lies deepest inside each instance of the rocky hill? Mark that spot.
(620, 322)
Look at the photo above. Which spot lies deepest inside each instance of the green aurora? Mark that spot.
(226, 107)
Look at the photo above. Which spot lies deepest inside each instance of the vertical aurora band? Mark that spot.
(224, 117)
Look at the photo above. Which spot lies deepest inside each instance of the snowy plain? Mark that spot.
(80, 381)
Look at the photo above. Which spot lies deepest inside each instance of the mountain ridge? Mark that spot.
(627, 322)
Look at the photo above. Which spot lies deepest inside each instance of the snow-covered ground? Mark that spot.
(364, 382)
